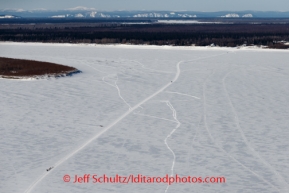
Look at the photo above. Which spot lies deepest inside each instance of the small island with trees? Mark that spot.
(24, 69)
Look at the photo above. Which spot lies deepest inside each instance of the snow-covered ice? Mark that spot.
(147, 110)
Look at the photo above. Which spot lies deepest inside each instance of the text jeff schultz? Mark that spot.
(88, 178)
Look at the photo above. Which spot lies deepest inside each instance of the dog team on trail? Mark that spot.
(49, 169)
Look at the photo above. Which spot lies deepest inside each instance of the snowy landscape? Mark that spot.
(150, 110)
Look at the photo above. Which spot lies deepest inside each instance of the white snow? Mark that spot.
(104, 15)
(78, 15)
(231, 15)
(248, 15)
(148, 15)
(172, 14)
(58, 16)
(92, 14)
(19, 10)
(7, 16)
(186, 15)
(164, 110)
(81, 8)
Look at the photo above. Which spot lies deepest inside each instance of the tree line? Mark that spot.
(176, 35)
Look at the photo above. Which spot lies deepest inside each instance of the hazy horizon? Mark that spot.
(95, 9)
(159, 5)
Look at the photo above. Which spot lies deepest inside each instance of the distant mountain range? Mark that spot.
(84, 12)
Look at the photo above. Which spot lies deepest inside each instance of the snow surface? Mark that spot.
(225, 113)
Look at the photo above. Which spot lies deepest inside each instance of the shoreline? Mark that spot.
(41, 77)
(143, 46)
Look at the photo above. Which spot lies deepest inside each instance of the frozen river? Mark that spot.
(202, 112)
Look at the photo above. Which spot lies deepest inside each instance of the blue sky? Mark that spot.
(190, 5)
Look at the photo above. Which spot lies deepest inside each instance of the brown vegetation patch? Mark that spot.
(18, 68)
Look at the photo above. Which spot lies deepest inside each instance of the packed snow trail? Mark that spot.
(183, 94)
(118, 90)
(104, 130)
(178, 125)
(34, 184)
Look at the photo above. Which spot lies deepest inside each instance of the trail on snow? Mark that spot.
(41, 177)
(118, 90)
(183, 94)
(171, 133)
(219, 146)
(237, 121)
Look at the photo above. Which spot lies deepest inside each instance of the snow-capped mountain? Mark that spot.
(8, 17)
(105, 15)
(80, 8)
(151, 15)
(231, 15)
(92, 14)
(13, 10)
(58, 16)
(186, 15)
(237, 15)
(248, 15)
(84, 12)
(163, 15)
(78, 15)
